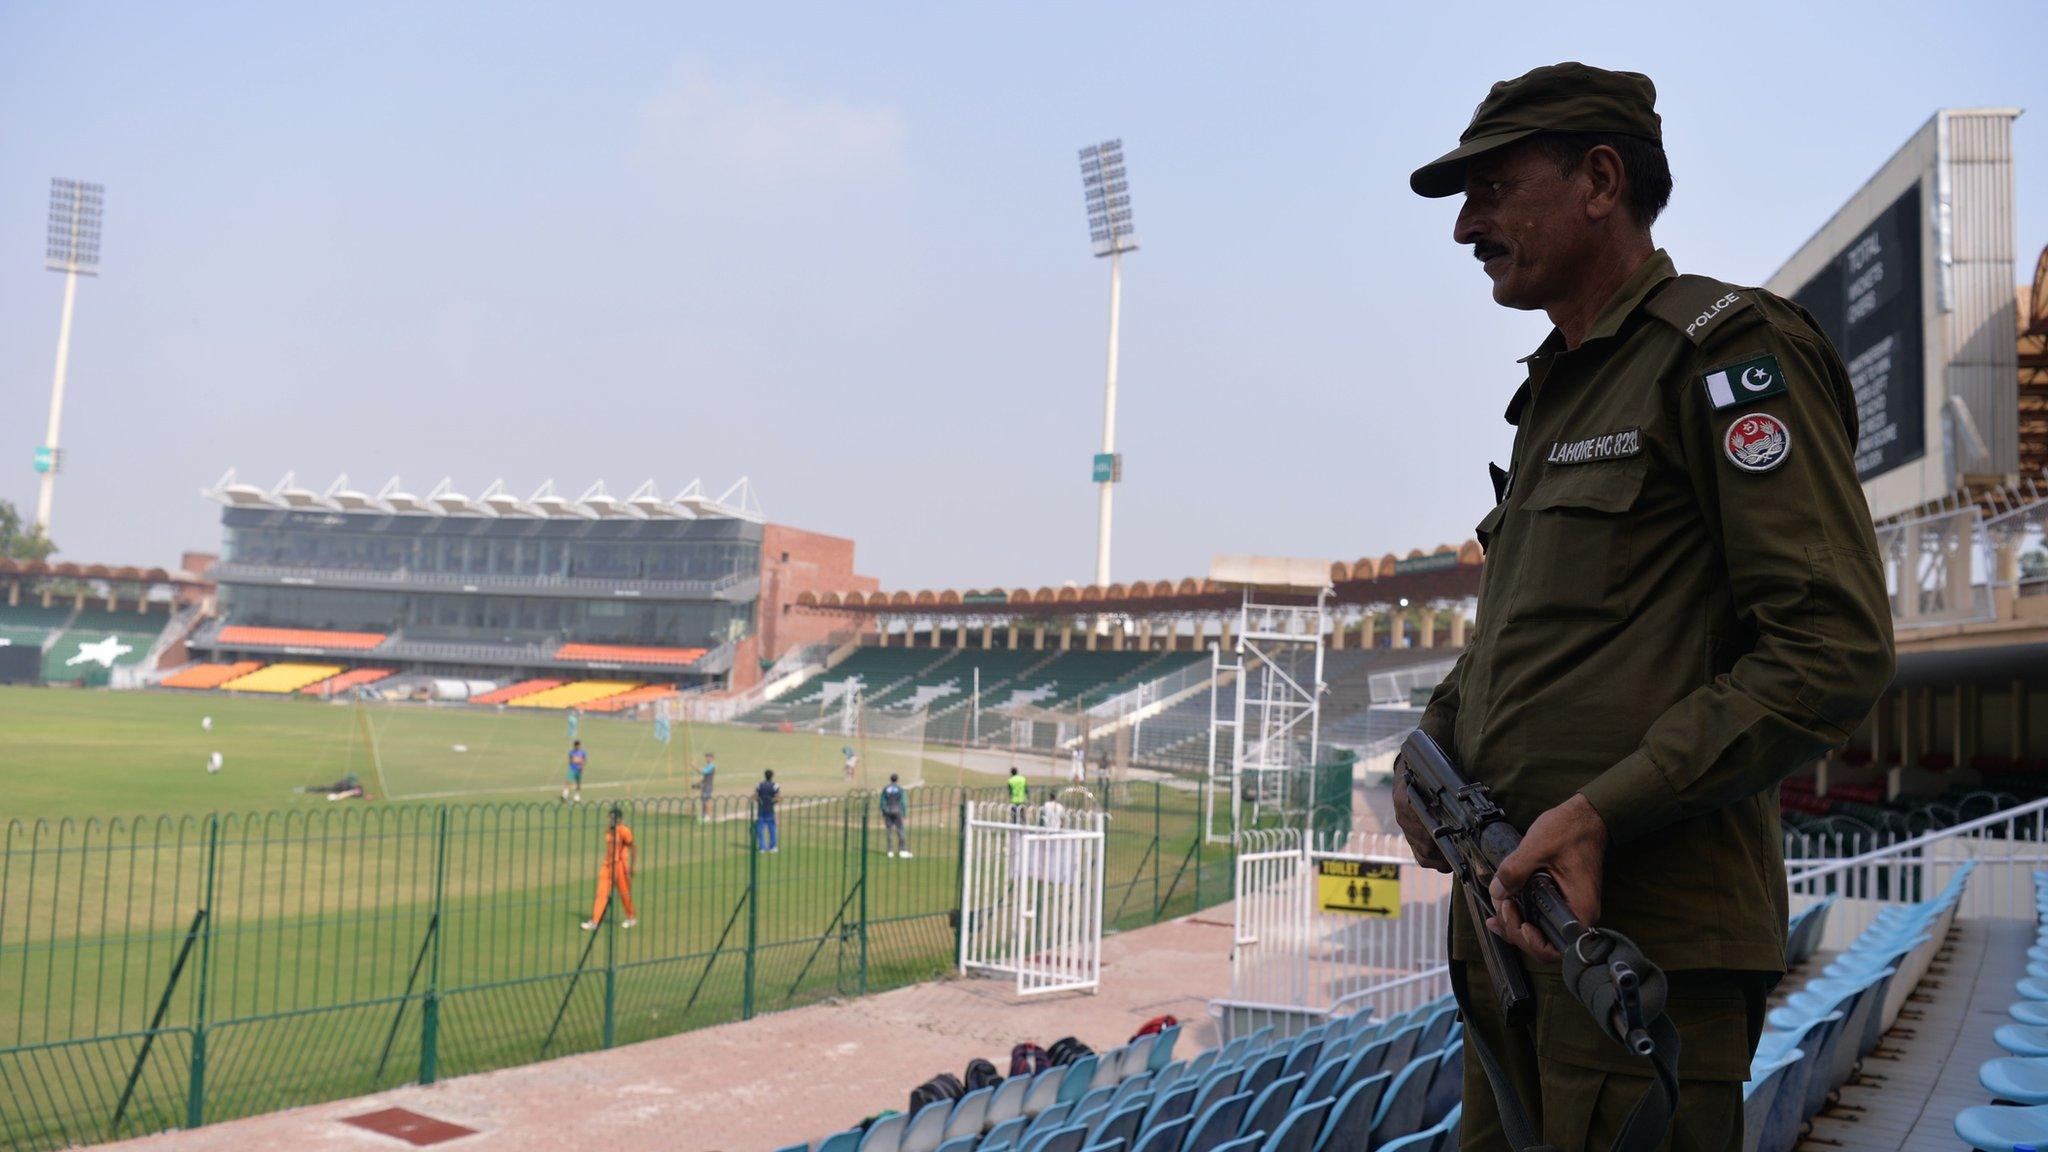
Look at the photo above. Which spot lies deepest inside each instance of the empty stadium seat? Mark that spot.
(281, 679)
(511, 692)
(202, 676)
(574, 694)
(353, 678)
(245, 636)
(628, 654)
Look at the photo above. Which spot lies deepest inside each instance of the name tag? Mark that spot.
(1613, 446)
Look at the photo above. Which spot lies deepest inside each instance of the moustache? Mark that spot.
(1484, 251)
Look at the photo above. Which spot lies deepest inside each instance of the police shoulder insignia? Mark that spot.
(1744, 381)
(1757, 443)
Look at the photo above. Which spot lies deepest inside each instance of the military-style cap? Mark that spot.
(1569, 97)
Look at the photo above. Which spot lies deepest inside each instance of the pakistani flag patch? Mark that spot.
(1744, 381)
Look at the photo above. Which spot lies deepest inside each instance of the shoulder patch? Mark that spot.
(1698, 305)
(1743, 381)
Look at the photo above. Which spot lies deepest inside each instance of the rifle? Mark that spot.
(1602, 968)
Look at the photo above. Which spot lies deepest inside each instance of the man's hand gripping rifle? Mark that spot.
(1604, 969)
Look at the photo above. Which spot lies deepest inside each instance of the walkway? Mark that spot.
(1907, 1096)
(779, 1079)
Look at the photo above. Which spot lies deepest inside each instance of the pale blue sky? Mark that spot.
(840, 248)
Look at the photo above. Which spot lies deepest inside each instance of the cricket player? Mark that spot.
(572, 789)
(617, 870)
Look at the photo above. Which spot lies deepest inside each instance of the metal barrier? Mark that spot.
(160, 973)
(1329, 925)
(1031, 894)
(2006, 847)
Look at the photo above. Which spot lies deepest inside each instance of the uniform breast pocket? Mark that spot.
(1574, 562)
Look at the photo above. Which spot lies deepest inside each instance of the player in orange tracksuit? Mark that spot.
(617, 869)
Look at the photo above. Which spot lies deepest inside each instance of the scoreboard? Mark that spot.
(1867, 299)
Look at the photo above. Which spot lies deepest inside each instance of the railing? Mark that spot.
(169, 972)
(1151, 692)
(239, 573)
(2006, 847)
(1395, 687)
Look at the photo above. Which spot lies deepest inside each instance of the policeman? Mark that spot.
(1682, 605)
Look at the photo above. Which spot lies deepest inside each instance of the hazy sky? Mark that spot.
(840, 249)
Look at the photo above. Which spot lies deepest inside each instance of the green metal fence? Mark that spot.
(170, 972)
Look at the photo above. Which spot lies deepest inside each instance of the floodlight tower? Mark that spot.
(73, 249)
(1108, 196)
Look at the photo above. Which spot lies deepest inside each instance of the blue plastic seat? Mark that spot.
(1043, 1090)
(2022, 1040)
(1219, 1124)
(1131, 1088)
(1350, 1119)
(1767, 1077)
(845, 1141)
(1106, 1146)
(1045, 1123)
(1401, 1048)
(2033, 989)
(795, 1148)
(2019, 1079)
(1162, 1052)
(1401, 1109)
(1079, 1081)
(927, 1128)
(970, 1114)
(1302, 1059)
(2001, 1128)
(1298, 1129)
(1004, 1134)
(1243, 1143)
(1121, 1125)
(884, 1135)
(1436, 1029)
(2033, 1012)
(1170, 1106)
(1066, 1139)
(1264, 1071)
(1325, 1082)
(961, 1143)
(1219, 1085)
(1167, 1137)
(1137, 1057)
(1272, 1105)
(1446, 1083)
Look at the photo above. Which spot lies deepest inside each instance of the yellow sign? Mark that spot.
(1359, 888)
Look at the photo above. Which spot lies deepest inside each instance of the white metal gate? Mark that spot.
(1317, 934)
(1031, 895)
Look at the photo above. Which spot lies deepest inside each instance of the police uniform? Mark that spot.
(1682, 604)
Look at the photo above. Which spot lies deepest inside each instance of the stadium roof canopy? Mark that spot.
(1444, 575)
(393, 499)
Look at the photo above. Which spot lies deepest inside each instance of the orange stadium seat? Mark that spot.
(512, 692)
(638, 696)
(299, 637)
(353, 678)
(627, 654)
(210, 675)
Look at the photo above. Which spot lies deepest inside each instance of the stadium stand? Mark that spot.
(353, 678)
(93, 640)
(877, 669)
(1352, 1083)
(626, 654)
(205, 676)
(511, 692)
(245, 636)
(281, 679)
(575, 694)
(646, 694)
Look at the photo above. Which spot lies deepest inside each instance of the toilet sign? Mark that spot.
(1359, 888)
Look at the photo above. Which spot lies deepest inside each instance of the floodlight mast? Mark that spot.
(1107, 193)
(73, 248)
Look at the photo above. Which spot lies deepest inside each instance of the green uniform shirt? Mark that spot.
(1019, 790)
(1682, 604)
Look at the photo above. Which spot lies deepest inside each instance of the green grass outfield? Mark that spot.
(87, 752)
(332, 928)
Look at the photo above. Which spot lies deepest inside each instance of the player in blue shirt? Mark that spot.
(577, 757)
